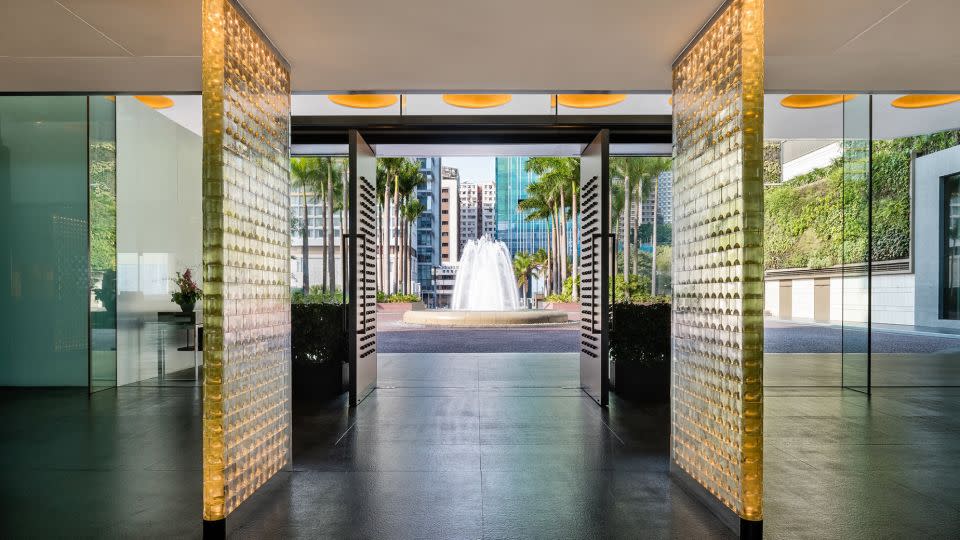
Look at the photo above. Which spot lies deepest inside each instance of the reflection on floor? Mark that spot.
(810, 369)
(469, 446)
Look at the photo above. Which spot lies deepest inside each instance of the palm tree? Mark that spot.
(333, 171)
(409, 178)
(524, 266)
(538, 206)
(306, 174)
(387, 170)
(538, 264)
(411, 211)
(551, 192)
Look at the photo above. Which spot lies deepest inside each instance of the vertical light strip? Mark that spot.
(717, 377)
(246, 252)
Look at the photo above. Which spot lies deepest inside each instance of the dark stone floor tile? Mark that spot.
(365, 505)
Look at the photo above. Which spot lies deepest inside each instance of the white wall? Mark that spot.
(893, 298)
(816, 159)
(159, 231)
(892, 302)
(802, 295)
(771, 298)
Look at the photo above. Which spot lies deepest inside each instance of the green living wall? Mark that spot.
(803, 218)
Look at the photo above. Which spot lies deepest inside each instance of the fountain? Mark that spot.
(485, 279)
(485, 293)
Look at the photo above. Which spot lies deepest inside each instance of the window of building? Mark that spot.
(950, 248)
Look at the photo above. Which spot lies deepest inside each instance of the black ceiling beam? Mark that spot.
(456, 129)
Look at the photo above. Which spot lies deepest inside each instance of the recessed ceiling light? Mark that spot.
(364, 101)
(923, 101)
(156, 102)
(814, 101)
(477, 101)
(590, 101)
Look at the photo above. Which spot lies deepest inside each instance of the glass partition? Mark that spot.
(45, 292)
(102, 177)
(856, 243)
(159, 233)
(915, 334)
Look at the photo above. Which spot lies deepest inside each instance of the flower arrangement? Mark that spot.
(187, 292)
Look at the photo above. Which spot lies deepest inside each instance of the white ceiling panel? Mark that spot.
(497, 45)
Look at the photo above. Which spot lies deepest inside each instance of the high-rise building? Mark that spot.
(427, 237)
(512, 226)
(665, 197)
(449, 215)
(477, 211)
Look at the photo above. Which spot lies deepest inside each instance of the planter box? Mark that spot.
(640, 349)
(399, 307)
(319, 351)
(642, 383)
(572, 309)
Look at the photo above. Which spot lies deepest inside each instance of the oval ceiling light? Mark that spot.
(156, 102)
(814, 101)
(477, 101)
(923, 101)
(364, 101)
(589, 101)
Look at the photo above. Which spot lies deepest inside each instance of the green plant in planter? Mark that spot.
(187, 293)
(640, 347)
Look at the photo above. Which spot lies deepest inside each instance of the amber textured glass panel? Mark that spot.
(246, 254)
(717, 403)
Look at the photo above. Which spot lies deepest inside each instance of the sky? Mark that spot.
(476, 169)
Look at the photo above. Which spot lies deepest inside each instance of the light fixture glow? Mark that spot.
(814, 101)
(364, 101)
(156, 102)
(923, 101)
(477, 101)
(590, 101)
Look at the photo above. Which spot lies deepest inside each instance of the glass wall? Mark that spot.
(805, 261)
(915, 149)
(102, 192)
(159, 233)
(642, 220)
(45, 292)
(860, 241)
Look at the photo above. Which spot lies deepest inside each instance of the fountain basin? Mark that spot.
(454, 317)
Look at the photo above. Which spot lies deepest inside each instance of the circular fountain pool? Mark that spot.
(453, 317)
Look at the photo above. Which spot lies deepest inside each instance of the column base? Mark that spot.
(215, 530)
(745, 528)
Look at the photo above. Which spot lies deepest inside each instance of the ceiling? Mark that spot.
(535, 45)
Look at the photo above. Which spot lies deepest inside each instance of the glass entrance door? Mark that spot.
(856, 245)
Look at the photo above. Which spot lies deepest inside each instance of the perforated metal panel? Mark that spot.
(362, 272)
(594, 266)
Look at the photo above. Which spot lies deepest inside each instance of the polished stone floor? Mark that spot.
(471, 446)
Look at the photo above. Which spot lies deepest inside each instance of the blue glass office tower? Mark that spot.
(513, 228)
